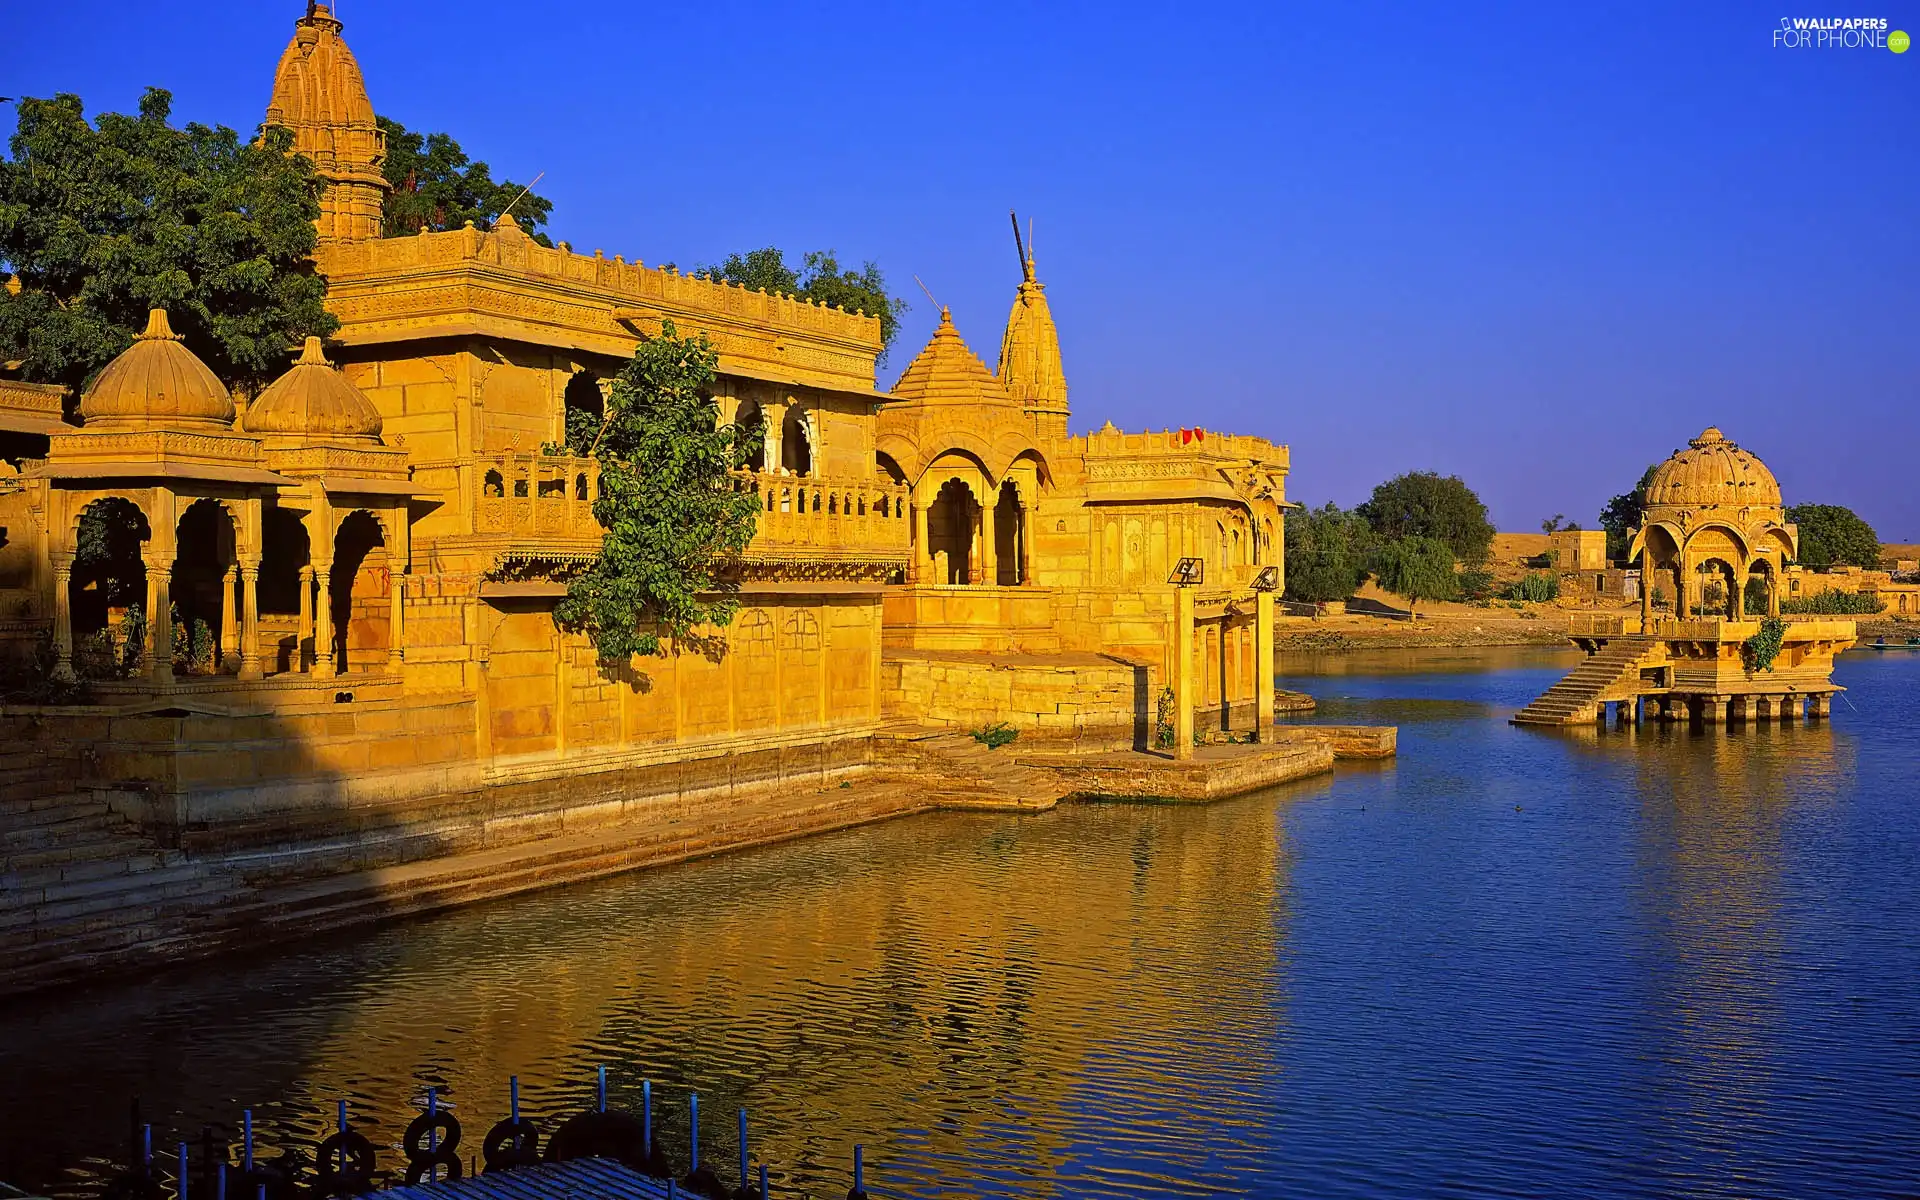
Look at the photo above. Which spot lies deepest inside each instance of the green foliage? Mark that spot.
(1326, 552)
(33, 682)
(820, 279)
(1535, 587)
(1419, 568)
(1835, 604)
(1423, 504)
(107, 551)
(1763, 647)
(1754, 596)
(673, 517)
(437, 187)
(102, 222)
(1163, 722)
(1553, 524)
(995, 735)
(1476, 586)
(1622, 515)
(1713, 596)
(1832, 535)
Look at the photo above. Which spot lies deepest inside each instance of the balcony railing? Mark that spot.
(536, 495)
(819, 519)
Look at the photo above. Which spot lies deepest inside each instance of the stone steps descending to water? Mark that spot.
(1571, 701)
(184, 912)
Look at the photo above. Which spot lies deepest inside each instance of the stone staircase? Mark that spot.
(1572, 701)
(974, 777)
(79, 884)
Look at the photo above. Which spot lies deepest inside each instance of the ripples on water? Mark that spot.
(1509, 963)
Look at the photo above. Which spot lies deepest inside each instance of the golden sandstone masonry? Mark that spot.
(349, 580)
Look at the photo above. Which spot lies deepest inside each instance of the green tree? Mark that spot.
(1622, 515)
(437, 187)
(820, 279)
(1423, 504)
(672, 515)
(1326, 551)
(1834, 536)
(101, 222)
(1419, 568)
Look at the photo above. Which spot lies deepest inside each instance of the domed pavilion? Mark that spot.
(209, 512)
(1713, 512)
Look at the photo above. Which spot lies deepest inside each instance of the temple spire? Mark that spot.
(319, 96)
(1030, 369)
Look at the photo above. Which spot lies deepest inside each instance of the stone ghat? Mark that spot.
(86, 891)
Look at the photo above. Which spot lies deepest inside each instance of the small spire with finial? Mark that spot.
(157, 329)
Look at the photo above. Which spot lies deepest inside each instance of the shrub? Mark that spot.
(995, 735)
(1537, 587)
(1763, 647)
(1835, 603)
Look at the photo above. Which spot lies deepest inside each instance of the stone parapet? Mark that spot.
(502, 282)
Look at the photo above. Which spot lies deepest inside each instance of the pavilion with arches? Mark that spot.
(222, 546)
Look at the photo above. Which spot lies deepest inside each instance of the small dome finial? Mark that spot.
(311, 354)
(157, 329)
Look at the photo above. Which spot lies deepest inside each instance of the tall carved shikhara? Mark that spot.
(319, 96)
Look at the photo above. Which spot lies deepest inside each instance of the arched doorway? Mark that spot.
(360, 598)
(951, 523)
(107, 594)
(1009, 538)
(753, 421)
(796, 442)
(586, 409)
(1762, 592)
(205, 571)
(286, 591)
(1719, 589)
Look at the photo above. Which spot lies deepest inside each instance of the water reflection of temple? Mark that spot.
(934, 989)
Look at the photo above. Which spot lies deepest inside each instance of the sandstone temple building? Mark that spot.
(327, 616)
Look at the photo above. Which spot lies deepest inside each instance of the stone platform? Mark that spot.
(1213, 773)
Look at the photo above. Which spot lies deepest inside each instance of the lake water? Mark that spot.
(1510, 963)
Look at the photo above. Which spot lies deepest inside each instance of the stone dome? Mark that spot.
(314, 401)
(1713, 470)
(157, 382)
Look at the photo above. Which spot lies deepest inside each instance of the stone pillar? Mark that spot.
(1646, 592)
(1762, 709)
(396, 622)
(1181, 672)
(323, 620)
(63, 617)
(229, 622)
(1817, 706)
(922, 549)
(989, 560)
(1737, 709)
(1026, 550)
(1263, 665)
(1773, 594)
(304, 639)
(1737, 602)
(250, 620)
(160, 622)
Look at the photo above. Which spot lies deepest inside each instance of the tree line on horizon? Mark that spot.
(1427, 537)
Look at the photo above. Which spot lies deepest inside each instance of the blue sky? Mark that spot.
(1539, 246)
